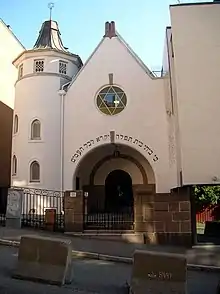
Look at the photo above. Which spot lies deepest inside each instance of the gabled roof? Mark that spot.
(129, 49)
(7, 27)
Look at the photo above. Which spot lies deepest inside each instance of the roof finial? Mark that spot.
(51, 6)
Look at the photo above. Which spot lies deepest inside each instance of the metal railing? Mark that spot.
(109, 221)
(2, 220)
(36, 202)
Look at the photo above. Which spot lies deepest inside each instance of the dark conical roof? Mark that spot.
(50, 37)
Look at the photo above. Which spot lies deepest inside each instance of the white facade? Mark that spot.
(167, 133)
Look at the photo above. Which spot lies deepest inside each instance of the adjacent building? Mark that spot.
(10, 47)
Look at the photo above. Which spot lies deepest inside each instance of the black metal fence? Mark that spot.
(109, 221)
(2, 219)
(34, 205)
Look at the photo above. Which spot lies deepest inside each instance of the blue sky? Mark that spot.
(141, 23)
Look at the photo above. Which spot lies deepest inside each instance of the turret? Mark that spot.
(36, 135)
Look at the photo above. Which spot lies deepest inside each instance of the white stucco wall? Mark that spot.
(144, 118)
(196, 45)
(37, 98)
(51, 62)
(9, 50)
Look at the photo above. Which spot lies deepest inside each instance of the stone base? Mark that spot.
(163, 218)
(14, 223)
(177, 239)
(44, 260)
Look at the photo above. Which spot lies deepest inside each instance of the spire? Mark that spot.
(50, 37)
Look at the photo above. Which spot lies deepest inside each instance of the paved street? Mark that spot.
(90, 277)
(201, 256)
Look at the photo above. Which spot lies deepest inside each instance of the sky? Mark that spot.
(141, 23)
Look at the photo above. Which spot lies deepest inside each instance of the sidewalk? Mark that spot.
(198, 257)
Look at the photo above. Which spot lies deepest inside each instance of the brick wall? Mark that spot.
(164, 218)
(73, 207)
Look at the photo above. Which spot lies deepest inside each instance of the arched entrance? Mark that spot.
(108, 175)
(118, 192)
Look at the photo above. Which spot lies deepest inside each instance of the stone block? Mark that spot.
(44, 259)
(174, 206)
(181, 216)
(185, 206)
(14, 208)
(161, 206)
(156, 272)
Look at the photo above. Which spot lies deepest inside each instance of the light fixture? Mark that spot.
(116, 152)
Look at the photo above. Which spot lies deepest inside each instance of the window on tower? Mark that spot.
(35, 130)
(14, 166)
(15, 124)
(20, 71)
(39, 65)
(63, 67)
(35, 171)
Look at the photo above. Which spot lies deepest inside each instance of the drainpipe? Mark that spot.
(62, 94)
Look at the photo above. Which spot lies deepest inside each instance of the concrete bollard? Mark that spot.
(156, 272)
(44, 259)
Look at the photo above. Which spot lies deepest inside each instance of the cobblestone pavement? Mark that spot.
(91, 277)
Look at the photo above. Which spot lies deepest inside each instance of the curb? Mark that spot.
(120, 259)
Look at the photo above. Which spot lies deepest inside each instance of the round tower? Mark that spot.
(36, 144)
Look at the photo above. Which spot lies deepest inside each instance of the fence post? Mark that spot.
(14, 208)
(73, 211)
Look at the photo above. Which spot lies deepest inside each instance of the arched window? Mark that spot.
(14, 166)
(35, 130)
(34, 172)
(15, 124)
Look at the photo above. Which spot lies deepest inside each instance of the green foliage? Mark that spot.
(206, 196)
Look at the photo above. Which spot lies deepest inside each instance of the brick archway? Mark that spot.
(123, 156)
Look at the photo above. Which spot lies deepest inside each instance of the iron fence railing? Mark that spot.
(109, 221)
(2, 219)
(36, 202)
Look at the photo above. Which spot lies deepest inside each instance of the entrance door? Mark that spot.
(117, 211)
(118, 192)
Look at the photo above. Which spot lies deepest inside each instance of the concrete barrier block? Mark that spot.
(156, 272)
(44, 259)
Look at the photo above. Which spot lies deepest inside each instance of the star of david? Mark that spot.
(111, 100)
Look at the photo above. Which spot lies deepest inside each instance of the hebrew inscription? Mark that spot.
(139, 144)
(108, 138)
(88, 145)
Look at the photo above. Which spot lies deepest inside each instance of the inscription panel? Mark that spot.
(159, 273)
(109, 138)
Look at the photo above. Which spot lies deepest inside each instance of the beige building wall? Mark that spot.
(9, 49)
(6, 118)
(196, 45)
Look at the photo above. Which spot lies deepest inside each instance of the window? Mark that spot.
(34, 172)
(20, 71)
(15, 124)
(39, 65)
(35, 130)
(171, 45)
(111, 100)
(62, 67)
(14, 166)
